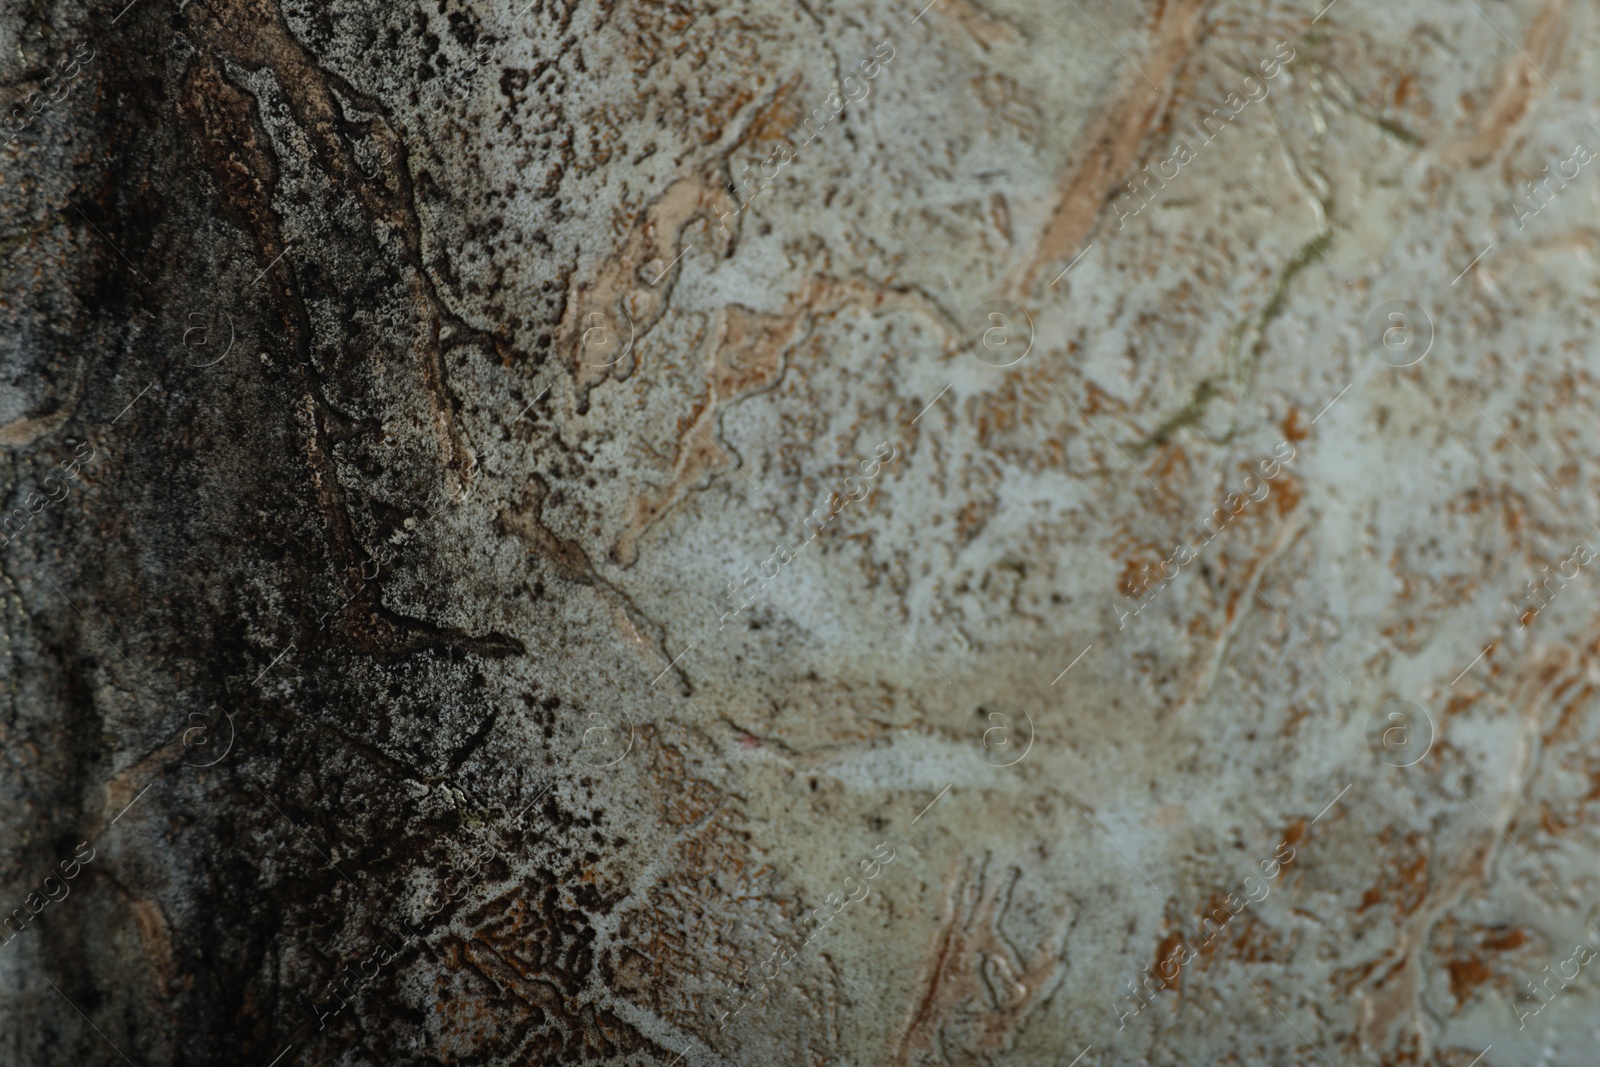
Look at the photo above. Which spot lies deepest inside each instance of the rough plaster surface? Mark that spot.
(416, 378)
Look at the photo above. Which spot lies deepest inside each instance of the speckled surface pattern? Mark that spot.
(799, 533)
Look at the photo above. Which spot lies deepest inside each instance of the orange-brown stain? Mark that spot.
(1296, 716)
(1139, 571)
(1295, 832)
(1465, 976)
(1404, 884)
(1286, 491)
(1505, 942)
(1164, 951)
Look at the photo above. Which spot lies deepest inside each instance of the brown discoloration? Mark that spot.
(623, 283)
(216, 517)
(226, 131)
(732, 373)
(240, 162)
(1504, 940)
(155, 935)
(1139, 571)
(633, 279)
(1404, 883)
(1159, 967)
(677, 925)
(977, 988)
(1294, 834)
(255, 33)
(1407, 1049)
(1521, 83)
(570, 562)
(1291, 725)
(1233, 938)
(972, 519)
(1115, 139)
(565, 554)
(745, 352)
(520, 961)
(23, 432)
(1573, 694)
(1175, 467)
(1466, 975)
(1471, 969)
(984, 29)
(1285, 494)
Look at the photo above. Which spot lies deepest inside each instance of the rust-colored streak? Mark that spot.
(1465, 976)
(155, 935)
(972, 963)
(1286, 494)
(983, 28)
(1521, 81)
(1114, 140)
(618, 288)
(1471, 964)
(1293, 834)
(1139, 571)
(1505, 941)
(1404, 883)
(745, 356)
(745, 353)
(1164, 950)
(257, 36)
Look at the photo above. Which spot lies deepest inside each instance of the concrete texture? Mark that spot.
(800, 534)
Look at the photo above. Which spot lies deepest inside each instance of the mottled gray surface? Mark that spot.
(416, 649)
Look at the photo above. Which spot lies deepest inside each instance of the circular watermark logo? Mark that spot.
(1400, 732)
(199, 742)
(1000, 332)
(600, 738)
(605, 337)
(1004, 733)
(382, 156)
(204, 341)
(1399, 332)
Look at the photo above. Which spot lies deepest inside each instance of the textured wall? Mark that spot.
(799, 533)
